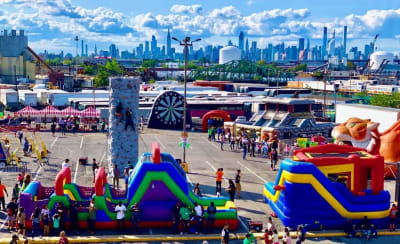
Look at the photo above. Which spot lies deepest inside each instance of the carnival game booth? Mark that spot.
(326, 185)
(90, 118)
(156, 183)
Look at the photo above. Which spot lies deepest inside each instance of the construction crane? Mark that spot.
(367, 64)
(56, 78)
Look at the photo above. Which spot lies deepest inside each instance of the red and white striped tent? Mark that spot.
(28, 111)
(49, 111)
(90, 112)
(70, 111)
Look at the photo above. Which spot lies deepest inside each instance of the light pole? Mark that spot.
(185, 43)
(76, 56)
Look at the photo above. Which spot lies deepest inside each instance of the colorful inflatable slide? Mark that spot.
(327, 185)
(156, 184)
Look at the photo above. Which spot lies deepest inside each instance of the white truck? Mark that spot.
(386, 117)
(59, 98)
(9, 98)
(27, 97)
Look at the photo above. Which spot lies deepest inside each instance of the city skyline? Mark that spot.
(52, 25)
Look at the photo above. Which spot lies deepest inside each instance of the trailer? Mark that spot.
(9, 98)
(27, 97)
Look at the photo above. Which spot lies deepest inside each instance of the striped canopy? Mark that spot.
(90, 112)
(49, 111)
(28, 111)
(70, 111)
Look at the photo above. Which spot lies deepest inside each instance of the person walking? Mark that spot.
(53, 129)
(3, 189)
(222, 141)
(238, 186)
(231, 190)
(219, 175)
(225, 234)
(94, 167)
(253, 147)
(270, 224)
(115, 177)
(135, 217)
(65, 163)
(244, 142)
(35, 218)
(91, 216)
(120, 209)
(126, 177)
(211, 211)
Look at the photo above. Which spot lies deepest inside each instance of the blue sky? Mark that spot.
(52, 24)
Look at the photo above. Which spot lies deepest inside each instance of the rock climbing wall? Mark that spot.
(123, 144)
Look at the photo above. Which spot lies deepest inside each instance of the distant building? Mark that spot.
(169, 51)
(241, 41)
(113, 51)
(324, 42)
(345, 41)
(15, 59)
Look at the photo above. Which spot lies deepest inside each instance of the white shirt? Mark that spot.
(45, 212)
(120, 211)
(198, 210)
(64, 165)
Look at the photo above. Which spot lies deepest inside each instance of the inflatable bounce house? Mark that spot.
(364, 133)
(323, 186)
(156, 183)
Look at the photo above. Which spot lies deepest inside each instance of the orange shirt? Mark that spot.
(219, 175)
(2, 189)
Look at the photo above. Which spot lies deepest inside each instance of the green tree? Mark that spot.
(67, 62)
(88, 69)
(101, 79)
(149, 63)
(350, 65)
(113, 67)
(391, 101)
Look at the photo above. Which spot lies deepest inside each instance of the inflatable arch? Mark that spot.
(214, 113)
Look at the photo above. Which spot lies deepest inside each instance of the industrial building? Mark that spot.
(15, 60)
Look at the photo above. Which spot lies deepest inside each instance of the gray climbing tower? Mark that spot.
(123, 144)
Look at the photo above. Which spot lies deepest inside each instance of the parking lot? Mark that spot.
(203, 157)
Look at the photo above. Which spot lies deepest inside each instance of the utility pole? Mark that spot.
(185, 43)
(324, 108)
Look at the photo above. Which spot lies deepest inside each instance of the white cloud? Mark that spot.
(186, 9)
(58, 19)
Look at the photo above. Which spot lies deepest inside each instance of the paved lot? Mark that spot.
(203, 157)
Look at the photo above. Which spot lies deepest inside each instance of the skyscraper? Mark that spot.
(324, 40)
(154, 53)
(95, 49)
(86, 50)
(301, 44)
(331, 45)
(113, 51)
(169, 54)
(344, 40)
(82, 47)
(146, 49)
(241, 41)
(247, 48)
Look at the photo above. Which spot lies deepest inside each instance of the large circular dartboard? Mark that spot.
(168, 108)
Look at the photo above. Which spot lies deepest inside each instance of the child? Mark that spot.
(393, 215)
(46, 224)
(267, 237)
(275, 237)
(56, 223)
(63, 238)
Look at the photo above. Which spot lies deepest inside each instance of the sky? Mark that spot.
(53, 24)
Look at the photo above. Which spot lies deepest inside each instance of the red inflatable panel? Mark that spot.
(155, 153)
(101, 180)
(64, 174)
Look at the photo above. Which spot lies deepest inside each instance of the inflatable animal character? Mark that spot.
(363, 133)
